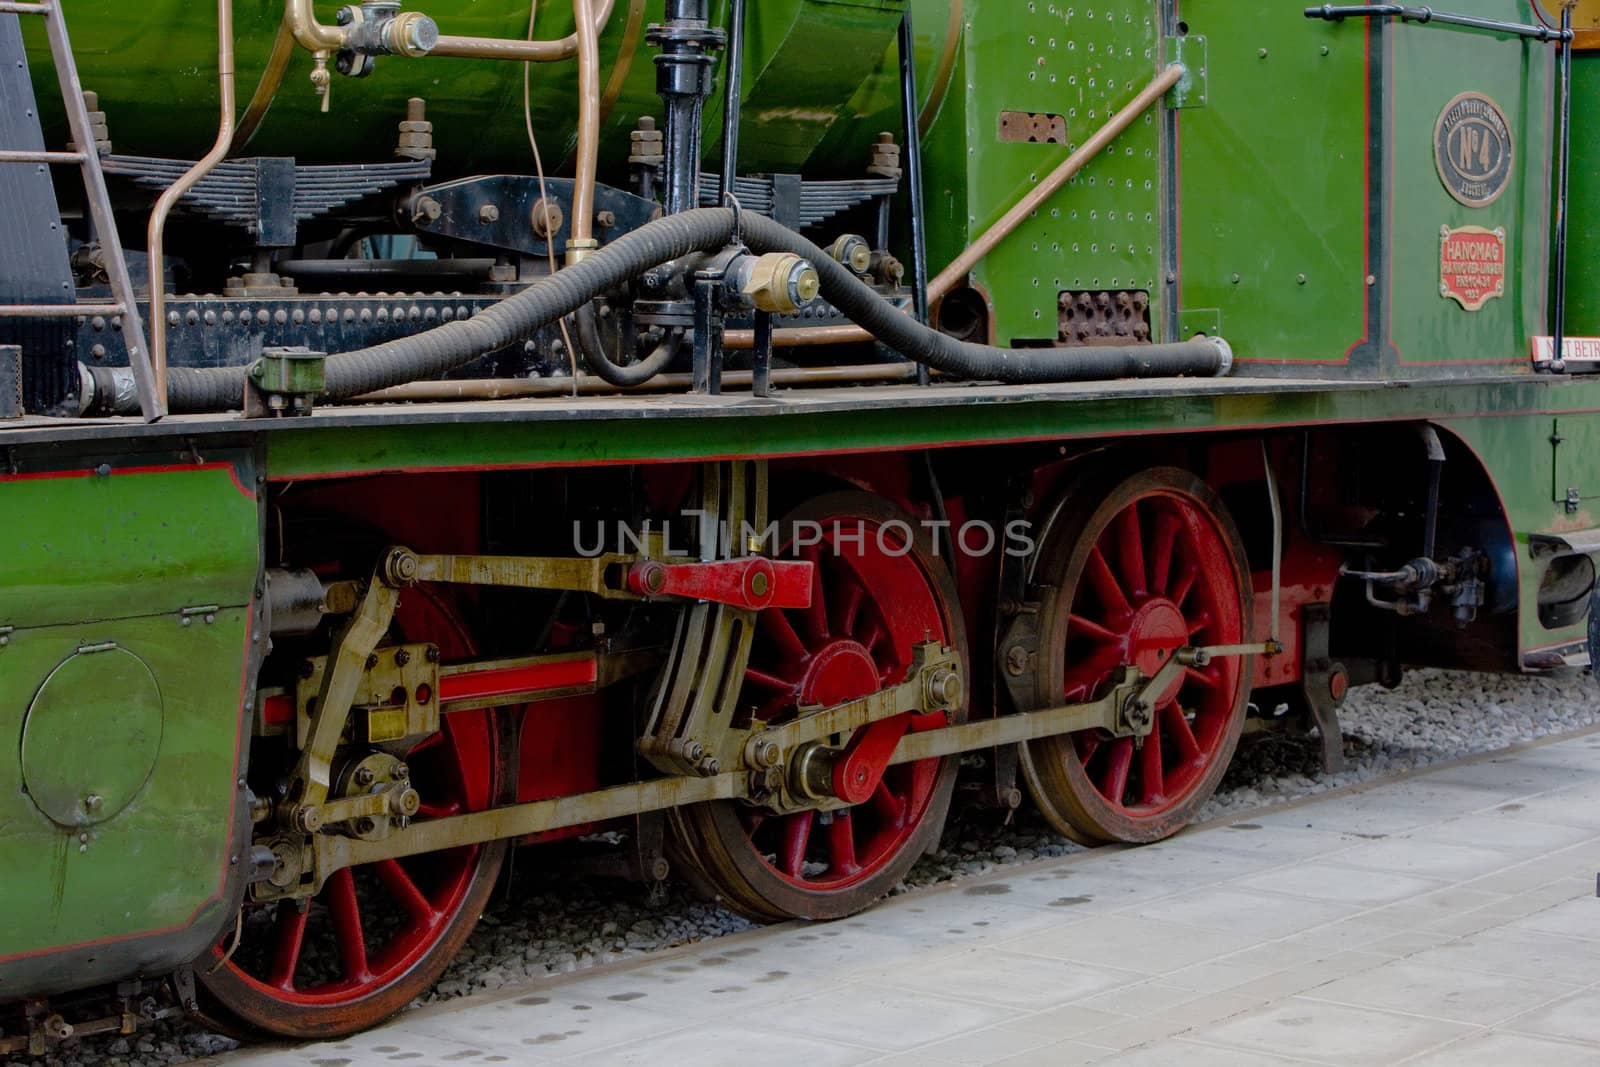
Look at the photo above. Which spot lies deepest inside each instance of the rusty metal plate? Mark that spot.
(1026, 127)
(1472, 265)
(1473, 148)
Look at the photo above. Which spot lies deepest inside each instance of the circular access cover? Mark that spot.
(91, 736)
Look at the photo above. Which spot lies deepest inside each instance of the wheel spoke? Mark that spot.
(1087, 744)
(846, 608)
(814, 620)
(1199, 621)
(1087, 627)
(346, 913)
(405, 892)
(1163, 547)
(289, 933)
(1098, 573)
(1187, 577)
(767, 681)
(842, 845)
(1201, 677)
(796, 836)
(871, 637)
(1182, 733)
(1151, 777)
(1114, 779)
(776, 626)
(891, 811)
(1130, 546)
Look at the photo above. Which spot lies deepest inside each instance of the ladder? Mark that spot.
(85, 155)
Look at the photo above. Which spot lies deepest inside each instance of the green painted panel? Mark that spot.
(944, 418)
(161, 861)
(1583, 280)
(1431, 67)
(85, 546)
(1522, 463)
(1272, 182)
(1101, 231)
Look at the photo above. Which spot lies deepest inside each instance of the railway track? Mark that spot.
(545, 921)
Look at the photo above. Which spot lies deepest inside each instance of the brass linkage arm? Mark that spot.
(313, 774)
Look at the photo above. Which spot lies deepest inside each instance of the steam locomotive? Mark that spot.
(724, 433)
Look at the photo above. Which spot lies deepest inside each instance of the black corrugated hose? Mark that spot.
(434, 352)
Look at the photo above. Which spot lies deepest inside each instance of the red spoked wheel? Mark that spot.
(379, 935)
(879, 591)
(1127, 576)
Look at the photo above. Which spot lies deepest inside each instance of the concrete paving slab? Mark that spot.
(1438, 919)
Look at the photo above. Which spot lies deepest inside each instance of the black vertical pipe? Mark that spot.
(734, 98)
(684, 79)
(910, 110)
(1557, 361)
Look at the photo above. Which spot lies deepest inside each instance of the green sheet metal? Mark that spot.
(118, 804)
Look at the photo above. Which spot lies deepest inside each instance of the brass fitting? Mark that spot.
(411, 34)
(578, 251)
(853, 252)
(781, 283)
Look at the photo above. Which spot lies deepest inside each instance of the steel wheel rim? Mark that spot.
(868, 611)
(715, 845)
(456, 771)
(1170, 528)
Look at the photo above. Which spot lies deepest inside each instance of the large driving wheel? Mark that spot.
(879, 591)
(1128, 574)
(379, 935)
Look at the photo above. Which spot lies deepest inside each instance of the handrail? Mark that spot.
(175, 191)
(301, 18)
(947, 279)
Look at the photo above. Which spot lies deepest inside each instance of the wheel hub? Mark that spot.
(843, 670)
(1158, 628)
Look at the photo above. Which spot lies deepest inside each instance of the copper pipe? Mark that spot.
(266, 89)
(582, 242)
(590, 385)
(527, 51)
(632, 32)
(957, 271)
(169, 199)
(301, 18)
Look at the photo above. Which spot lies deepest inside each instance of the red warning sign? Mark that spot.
(1472, 265)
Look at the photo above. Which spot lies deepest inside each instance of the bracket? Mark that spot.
(1190, 92)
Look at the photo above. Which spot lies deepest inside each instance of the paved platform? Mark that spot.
(1445, 918)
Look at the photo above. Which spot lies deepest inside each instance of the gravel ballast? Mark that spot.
(547, 922)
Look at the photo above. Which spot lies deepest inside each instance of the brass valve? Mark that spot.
(853, 252)
(780, 283)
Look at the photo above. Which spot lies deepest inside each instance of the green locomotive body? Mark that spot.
(557, 505)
